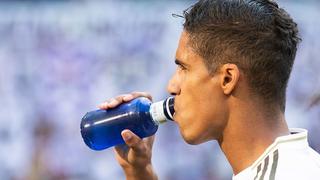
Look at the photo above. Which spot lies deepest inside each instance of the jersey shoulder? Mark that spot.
(297, 164)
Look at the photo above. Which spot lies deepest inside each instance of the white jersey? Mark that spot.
(289, 157)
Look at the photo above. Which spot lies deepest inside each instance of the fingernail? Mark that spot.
(127, 136)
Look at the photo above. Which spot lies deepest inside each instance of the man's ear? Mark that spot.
(230, 75)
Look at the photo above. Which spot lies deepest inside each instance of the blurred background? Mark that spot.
(61, 58)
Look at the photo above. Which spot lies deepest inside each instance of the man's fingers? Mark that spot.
(133, 95)
(106, 104)
(128, 97)
(139, 94)
(114, 102)
(121, 150)
(150, 140)
(133, 141)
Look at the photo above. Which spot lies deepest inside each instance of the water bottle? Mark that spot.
(102, 129)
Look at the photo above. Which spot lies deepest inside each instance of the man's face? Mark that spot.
(199, 102)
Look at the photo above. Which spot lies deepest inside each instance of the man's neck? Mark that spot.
(248, 134)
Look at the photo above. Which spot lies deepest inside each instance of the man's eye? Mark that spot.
(182, 67)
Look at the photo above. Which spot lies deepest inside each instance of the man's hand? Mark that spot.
(135, 156)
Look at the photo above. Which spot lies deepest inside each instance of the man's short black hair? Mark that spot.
(256, 35)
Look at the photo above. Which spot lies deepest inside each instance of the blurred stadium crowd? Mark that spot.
(59, 59)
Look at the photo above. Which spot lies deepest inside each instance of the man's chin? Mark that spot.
(190, 140)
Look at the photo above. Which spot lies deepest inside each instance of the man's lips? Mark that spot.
(175, 113)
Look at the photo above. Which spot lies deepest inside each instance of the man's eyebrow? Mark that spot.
(179, 62)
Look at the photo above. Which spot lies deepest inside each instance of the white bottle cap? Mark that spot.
(162, 111)
(157, 112)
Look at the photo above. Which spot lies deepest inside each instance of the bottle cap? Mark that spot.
(163, 110)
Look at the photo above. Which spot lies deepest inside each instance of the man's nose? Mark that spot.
(174, 86)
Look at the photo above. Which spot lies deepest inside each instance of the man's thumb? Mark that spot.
(132, 140)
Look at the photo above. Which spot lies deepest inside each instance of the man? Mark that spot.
(234, 60)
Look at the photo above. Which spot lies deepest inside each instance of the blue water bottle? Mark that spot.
(102, 129)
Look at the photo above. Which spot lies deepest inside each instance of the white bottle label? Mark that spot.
(157, 112)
